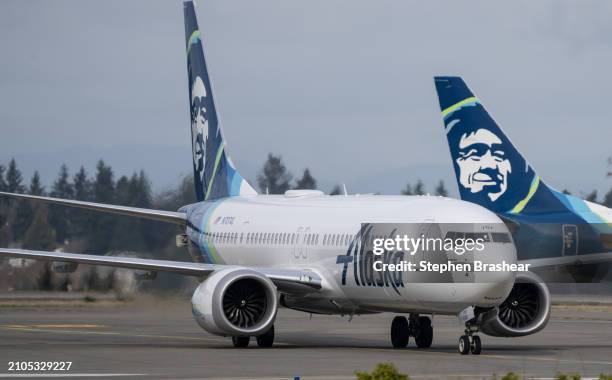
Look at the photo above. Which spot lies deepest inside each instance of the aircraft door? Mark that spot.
(305, 243)
(297, 243)
(570, 239)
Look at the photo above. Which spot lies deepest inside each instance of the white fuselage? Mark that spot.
(308, 230)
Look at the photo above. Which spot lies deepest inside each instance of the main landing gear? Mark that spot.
(418, 327)
(470, 342)
(264, 340)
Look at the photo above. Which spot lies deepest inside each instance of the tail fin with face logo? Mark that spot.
(214, 173)
(490, 171)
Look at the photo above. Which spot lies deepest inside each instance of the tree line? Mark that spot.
(40, 226)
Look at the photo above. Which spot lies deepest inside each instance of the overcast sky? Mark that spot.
(342, 87)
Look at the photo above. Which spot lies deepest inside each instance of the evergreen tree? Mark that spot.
(307, 181)
(274, 177)
(592, 196)
(60, 217)
(408, 190)
(81, 220)
(140, 191)
(104, 184)
(36, 188)
(419, 188)
(40, 235)
(25, 209)
(82, 186)
(441, 190)
(14, 178)
(62, 188)
(3, 186)
(101, 233)
(608, 199)
(122, 192)
(336, 190)
(127, 231)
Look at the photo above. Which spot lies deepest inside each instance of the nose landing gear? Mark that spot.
(470, 342)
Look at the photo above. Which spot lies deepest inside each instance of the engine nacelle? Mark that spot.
(525, 311)
(235, 302)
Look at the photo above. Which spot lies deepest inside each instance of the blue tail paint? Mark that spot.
(214, 173)
(490, 171)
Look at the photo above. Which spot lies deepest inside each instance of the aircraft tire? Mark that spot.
(399, 332)
(266, 339)
(241, 341)
(423, 336)
(464, 345)
(476, 346)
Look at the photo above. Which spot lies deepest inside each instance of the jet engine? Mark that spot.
(235, 302)
(525, 311)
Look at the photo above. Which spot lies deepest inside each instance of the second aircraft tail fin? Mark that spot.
(490, 171)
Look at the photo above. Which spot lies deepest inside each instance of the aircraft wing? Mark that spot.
(287, 280)
(160, 215)
(591, 258)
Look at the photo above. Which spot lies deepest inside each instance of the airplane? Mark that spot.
(306, 250)
(567, 238)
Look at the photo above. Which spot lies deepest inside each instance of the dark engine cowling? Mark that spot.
(235, 302)
(525, 311)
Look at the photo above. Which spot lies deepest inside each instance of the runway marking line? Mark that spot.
(57, 326)
(32, 329)
(17, 375)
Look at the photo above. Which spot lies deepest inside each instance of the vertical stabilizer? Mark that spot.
(214, 173)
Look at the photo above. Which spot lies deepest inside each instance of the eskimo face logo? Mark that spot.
(483, 165)
(199, 125)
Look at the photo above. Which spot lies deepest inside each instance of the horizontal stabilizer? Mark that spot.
(159, 215)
